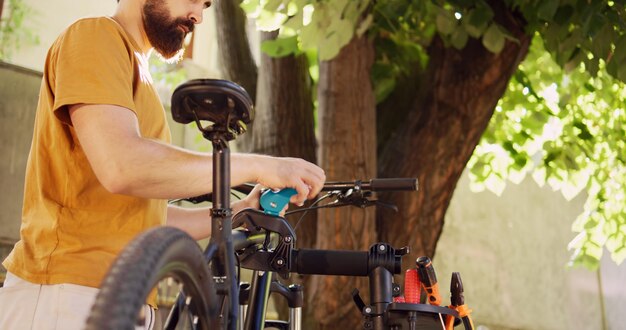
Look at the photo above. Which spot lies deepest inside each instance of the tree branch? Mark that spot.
(435, 141)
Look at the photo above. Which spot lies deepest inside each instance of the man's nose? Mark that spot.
(196, 14)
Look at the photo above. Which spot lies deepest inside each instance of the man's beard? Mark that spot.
(164, 33)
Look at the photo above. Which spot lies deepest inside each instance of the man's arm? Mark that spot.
(197, 221)
(126, 163)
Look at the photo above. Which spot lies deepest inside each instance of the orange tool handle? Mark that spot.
(429, 280)
(412, 287)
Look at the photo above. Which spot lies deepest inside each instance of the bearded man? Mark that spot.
(101, 167)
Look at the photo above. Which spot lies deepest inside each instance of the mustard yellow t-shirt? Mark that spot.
(73, 228)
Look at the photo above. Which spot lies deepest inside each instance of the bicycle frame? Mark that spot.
(379, 264)
(220, 249)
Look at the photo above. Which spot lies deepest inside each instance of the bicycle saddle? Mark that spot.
(224, 103)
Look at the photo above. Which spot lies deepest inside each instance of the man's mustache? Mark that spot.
(187, 23)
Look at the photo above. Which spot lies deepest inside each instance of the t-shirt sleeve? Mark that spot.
(94, 65)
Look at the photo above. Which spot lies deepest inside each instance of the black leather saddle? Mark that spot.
(223, 103)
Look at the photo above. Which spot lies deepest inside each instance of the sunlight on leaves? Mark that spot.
(323, 25)
(567, 129)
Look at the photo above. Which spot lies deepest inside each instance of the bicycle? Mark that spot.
(210, 294)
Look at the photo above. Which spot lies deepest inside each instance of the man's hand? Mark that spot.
(250, 201)
(285, 172)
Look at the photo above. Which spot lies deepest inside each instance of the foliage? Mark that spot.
(402, 33)
(13, 31)
(325, 25)
(567, 129)
(577, 31)
(562, 116)
(166, 76)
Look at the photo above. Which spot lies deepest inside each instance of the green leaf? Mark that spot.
(587, 261)
(552, 155)
(570, 160)
(612, 68)
(547, 9)
(474, 26)
(280, 47)
(459, 38)
(351, 10)
(340, 33)
(301, 3)
(590, 224)
(508, 146)
(273, 5)
(295, 22)
(479, 169)
(584, 131)
(251, 6)
(619, 255)
(593, 24)
(270, 21)
(520, 161)
(493, 39)
(563, 14)
(364, 25)
(481, 16)
(601, 43)
(446, 23)
(310, 36)
(383, 88)
(592, 66)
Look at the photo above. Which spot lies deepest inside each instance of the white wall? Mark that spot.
(52, 17)
(512, 254)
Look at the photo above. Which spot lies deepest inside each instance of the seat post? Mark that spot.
(221, 223)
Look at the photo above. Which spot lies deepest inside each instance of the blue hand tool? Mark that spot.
(273, 202)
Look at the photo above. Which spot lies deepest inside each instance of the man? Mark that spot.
(101, 167)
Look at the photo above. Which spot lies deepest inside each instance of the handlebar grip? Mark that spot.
(393, 184)
(331, 262)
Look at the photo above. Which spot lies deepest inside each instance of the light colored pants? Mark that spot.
(26, 306)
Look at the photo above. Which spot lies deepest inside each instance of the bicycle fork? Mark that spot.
(253, 300)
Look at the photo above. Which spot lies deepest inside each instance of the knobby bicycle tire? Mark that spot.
(152, 256)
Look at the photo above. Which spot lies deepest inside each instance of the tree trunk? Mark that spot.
(438, 136)
(235, 55)
(347, 152)
(284, 118)
(237, 62)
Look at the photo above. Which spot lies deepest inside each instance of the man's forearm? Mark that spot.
(196, 222)
(158, 170)
(127, 163)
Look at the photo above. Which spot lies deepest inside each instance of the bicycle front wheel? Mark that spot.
(158, 254)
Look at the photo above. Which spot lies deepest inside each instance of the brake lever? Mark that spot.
(355, 197)
(360, 199)
(386, 205)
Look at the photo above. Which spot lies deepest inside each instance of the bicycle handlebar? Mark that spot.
(330, 262)
(392, 184)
